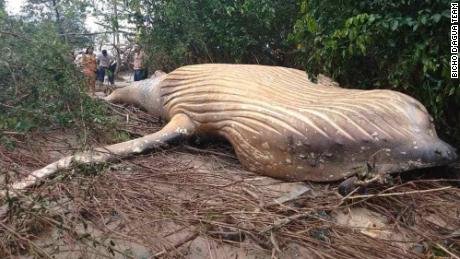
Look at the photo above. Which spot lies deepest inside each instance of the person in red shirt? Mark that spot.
(89, 66)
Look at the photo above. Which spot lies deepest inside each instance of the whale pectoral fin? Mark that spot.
(178, 128)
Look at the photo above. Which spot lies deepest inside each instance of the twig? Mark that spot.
(293, 195)
(178, 244)
(282, 222)
(398, 193)
(31, 202)
(275, 243)
(24, 239)
(12, 133)
(208, 151)
(447, 251)
(120, 113)
(95, 33)
(350, 194)
(15, 35)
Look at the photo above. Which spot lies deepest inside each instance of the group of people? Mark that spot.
(96, 67)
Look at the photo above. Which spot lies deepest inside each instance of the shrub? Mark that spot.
(183, 32)
(40, 86)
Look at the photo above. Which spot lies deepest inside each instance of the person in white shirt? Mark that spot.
(104, 60)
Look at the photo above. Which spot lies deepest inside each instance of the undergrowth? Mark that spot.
(41, 88)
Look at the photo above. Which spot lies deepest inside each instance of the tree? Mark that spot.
(179, 32)
(67, 15)
(40, 86)
(114, 18)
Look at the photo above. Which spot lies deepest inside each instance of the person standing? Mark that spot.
(104, 61)
(89, 66)
(139, 70)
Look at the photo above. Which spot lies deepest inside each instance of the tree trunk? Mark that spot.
(58, 20)
(116, 36)
(118, 55)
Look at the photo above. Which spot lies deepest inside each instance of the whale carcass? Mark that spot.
(280, 123)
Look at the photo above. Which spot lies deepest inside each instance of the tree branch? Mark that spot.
(95, 33)
(15, 35)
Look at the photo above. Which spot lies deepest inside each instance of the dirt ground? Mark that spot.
(195, 201)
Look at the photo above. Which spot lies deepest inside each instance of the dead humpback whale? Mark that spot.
(280, 123)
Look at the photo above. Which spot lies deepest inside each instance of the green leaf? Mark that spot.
(436, 17)
(385, 24)
(371, 18)
(311, 25)
(394, 25)
(424, 19)
(438, 99)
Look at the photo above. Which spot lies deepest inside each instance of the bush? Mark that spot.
(40, 86)
(385, 44)
(185, 32)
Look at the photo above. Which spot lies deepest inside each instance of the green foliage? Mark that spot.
(120, 136)
(68, 17)
(40, 85)
(112, 14)
(384, 43)
(181, 32)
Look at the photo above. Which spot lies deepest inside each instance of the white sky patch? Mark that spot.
(91, 25)
(13, 7)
